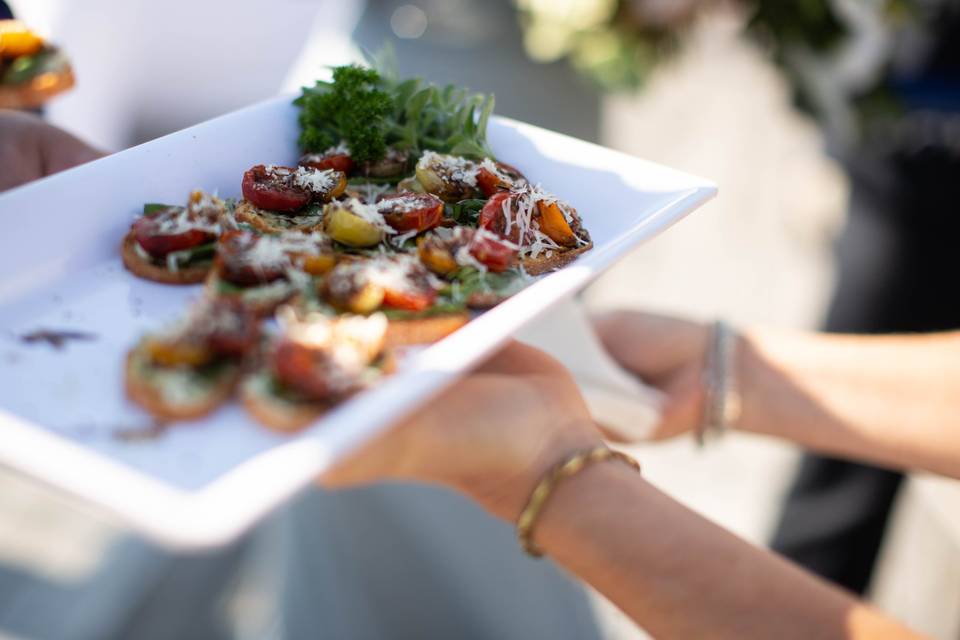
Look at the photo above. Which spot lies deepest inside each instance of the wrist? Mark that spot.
(770, 379)
(595, 497)
(504, 492)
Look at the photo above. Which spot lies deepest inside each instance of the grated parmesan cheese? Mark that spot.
(452, 168)
(319, 181)
(520, 209)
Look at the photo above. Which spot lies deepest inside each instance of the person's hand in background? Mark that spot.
(845, 395)
(31, 149)
(667, 353)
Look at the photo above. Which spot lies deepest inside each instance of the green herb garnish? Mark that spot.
(372, 110)
(353, 108)
(25, 68)
(153, 207)
(437, 309)
(195, 254)
(465, 212)
(469, 281)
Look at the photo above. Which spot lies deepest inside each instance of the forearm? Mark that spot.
(892, 400)
(679, 576)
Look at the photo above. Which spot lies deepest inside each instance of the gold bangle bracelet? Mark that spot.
(545, 488)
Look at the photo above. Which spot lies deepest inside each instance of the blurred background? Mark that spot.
(709, 101)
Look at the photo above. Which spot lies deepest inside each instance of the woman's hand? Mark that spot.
(665, 352)
(492, 435)
(31, 149)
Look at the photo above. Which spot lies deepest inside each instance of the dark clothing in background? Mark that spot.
(5, 13)
(898, 256)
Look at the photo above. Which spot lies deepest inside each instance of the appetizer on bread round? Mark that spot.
(175, 245)
(277, 199)
(402, 288)
(192, 368)
(548, 231)
(31, 71)
(313, 363)
(263, 271)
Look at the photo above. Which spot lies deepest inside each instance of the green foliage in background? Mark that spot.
(617, 46)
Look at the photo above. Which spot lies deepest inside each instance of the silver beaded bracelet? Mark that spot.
(722, 402)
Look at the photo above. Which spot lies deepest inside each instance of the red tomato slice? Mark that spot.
(234, 330)
(336, 161)
(304, 369)
(147, 232)
(267, 189)
(231, 263)
(488, 182)
(491, 216)
(495, 255)
(410, 300)
(411, 211)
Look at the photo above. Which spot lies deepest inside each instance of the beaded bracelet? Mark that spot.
(542, 492)
(722, 405)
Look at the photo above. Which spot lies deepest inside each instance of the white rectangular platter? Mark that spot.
(203, 483)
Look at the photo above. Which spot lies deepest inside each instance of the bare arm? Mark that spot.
(893, 400)
(31, 149)
(493, 436)
(681, 576)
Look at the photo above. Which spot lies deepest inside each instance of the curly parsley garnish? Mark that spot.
(372, 111)
(353, 109)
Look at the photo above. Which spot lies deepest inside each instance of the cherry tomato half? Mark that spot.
(491, 216)
(495, 255)
(271, 189)
(148, 232)
(490, 183)
(234, 329)
(336, 161)
(232, 263)
(304, 369)
(411, 211)
(409, 300)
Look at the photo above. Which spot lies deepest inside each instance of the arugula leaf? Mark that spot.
(437, 309)
(152, 208)
(465, 212)
(23, 69)
(468, 281)
(194, 254)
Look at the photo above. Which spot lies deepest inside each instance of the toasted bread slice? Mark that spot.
(274, 411)
(37, 91)
(177, 394)
(405, 331)
(483, 300)
(288, 415)
(262, 300)
(271, 222)
(424, 330)
(545, 264)
(141, 266)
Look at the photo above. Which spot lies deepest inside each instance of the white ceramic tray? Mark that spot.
(203, 483)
